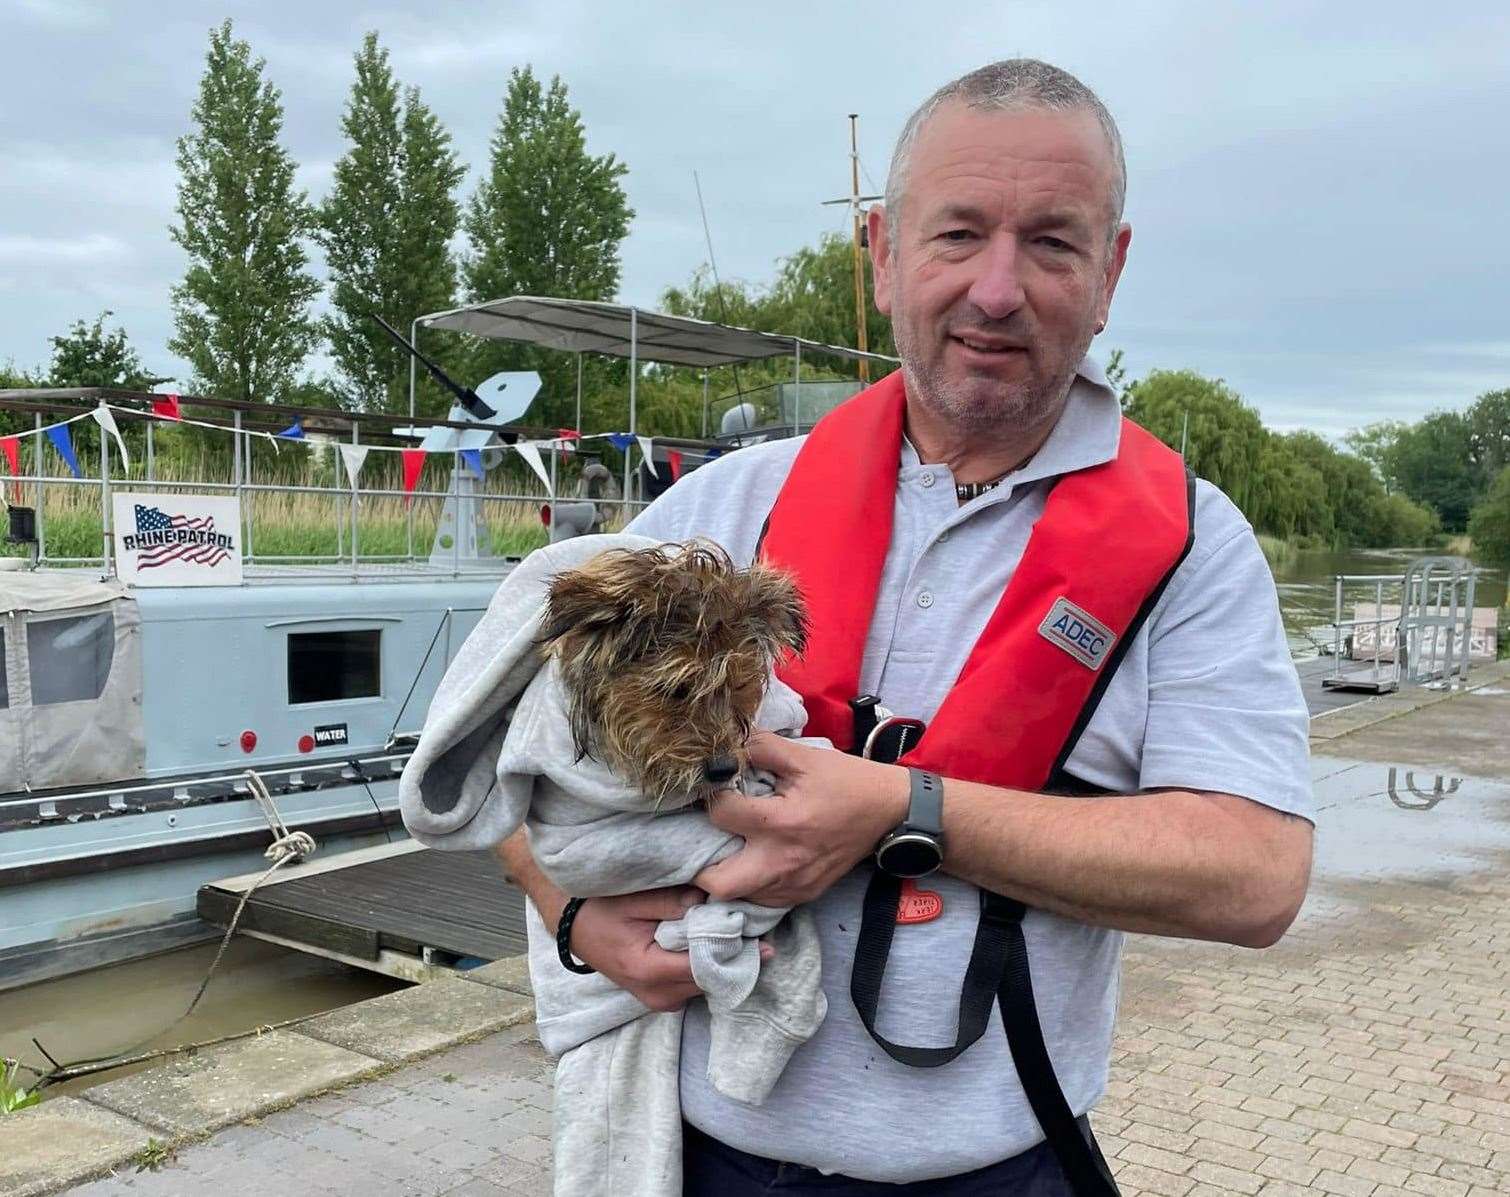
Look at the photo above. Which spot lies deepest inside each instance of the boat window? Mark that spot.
(70, 658)
(329, 666)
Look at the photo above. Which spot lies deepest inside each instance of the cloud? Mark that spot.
(98, 249)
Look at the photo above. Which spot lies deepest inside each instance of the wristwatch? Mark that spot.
(915, 847)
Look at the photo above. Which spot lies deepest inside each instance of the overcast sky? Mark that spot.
(1317, 191)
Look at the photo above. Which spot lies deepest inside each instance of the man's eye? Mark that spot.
(957, 235)
(1055, 244)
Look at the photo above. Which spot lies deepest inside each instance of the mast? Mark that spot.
(854, 200)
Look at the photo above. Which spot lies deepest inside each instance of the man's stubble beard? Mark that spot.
(982, 407)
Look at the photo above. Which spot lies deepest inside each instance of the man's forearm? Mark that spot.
(519, 863)
(1204, 866)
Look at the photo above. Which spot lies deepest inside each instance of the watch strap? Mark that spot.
(925, 803)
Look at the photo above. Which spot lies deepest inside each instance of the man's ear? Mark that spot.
(880, 256)
(1116, 260)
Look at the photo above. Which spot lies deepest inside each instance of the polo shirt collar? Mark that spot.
(1087, 434)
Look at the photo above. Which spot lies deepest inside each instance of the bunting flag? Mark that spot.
(294, 432)
(414, 462)
(106, 421)
(531, 454)
(12, 448)
(645, 446)
(473, 460)
(166, 407)
(620, 440)
(58, 435)
(712, 453)
(352, 456)
(674, 460)
(568, 434)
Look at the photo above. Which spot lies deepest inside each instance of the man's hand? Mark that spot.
(828, 813)
(617, 937)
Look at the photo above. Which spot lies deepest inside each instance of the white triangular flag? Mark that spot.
(106, 421)
(531, 453)
(353, 456)
(649, 459)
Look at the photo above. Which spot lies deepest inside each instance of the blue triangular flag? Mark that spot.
(473, 458)
(712, 453)
(294, 432)
(620, 440)
(58, 435)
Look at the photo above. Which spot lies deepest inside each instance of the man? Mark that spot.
(1181, 721)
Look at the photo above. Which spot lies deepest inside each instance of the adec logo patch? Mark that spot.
(1080, 634)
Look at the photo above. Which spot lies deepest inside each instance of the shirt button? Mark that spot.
(927, 479)
(925, 600)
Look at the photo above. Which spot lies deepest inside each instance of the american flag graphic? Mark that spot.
(197, 552)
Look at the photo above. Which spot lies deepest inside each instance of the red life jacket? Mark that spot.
(1107, 543)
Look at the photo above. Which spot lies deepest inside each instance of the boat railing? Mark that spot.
(520, 503)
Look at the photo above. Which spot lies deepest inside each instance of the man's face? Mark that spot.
(1001, 265)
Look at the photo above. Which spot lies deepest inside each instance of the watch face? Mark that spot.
(910, 854)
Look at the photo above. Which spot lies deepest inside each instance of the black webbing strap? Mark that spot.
(998, 972)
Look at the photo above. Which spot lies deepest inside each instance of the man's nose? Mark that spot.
(997, 289)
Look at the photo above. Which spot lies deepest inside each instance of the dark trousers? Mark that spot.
(714, 1169)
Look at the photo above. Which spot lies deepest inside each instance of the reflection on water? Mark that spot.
(1307, 594)
(110, 1009)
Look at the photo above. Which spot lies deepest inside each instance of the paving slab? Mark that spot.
(512, 972)
(209, 1089)
(414, 1022)
(61, 1142)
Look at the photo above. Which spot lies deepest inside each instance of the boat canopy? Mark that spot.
(70, 681)
(622, 330)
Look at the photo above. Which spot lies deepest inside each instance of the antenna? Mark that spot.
(718, 287)
(466, 396)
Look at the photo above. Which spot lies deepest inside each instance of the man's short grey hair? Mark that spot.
(1012, 85)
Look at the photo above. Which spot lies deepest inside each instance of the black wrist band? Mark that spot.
(563, 938)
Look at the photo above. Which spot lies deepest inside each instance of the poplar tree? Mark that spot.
(386, 229)
(548, 219)
(242, 310)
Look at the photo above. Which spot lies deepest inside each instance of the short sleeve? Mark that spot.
(1225, 709)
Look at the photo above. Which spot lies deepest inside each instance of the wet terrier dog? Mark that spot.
(664, 654)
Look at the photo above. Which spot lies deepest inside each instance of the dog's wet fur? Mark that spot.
(664, 654)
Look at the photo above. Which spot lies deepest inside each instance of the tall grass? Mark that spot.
(1277, 550)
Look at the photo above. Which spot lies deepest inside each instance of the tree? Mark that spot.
(242, 310)
(1433, 461)
(88, 356)
(814, 297)
(1375, 443)
(548, 219)
(1489, 433)
(386, 228)
(1489, 525)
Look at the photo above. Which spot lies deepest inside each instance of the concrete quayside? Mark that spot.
(1368, 1053)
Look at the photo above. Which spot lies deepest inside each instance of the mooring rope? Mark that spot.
(286, 846)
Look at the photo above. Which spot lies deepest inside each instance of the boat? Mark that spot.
(143, 688)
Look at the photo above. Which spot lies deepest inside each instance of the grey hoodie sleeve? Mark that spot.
(450, 794)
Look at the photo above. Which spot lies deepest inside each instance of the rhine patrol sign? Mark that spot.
(177, 540)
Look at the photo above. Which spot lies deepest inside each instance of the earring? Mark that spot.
(1100, 326)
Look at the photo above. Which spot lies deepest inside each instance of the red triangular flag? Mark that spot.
(166, 406)
(414, 462)
(674, 458)
(568, 434)
(12, 447)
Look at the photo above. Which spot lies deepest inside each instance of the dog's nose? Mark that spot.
(720, 769)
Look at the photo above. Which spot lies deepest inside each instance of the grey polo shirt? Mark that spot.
(1205, 699)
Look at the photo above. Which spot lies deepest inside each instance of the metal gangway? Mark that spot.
(1416, 631)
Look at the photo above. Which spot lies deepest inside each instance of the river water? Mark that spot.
(113, 1008)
